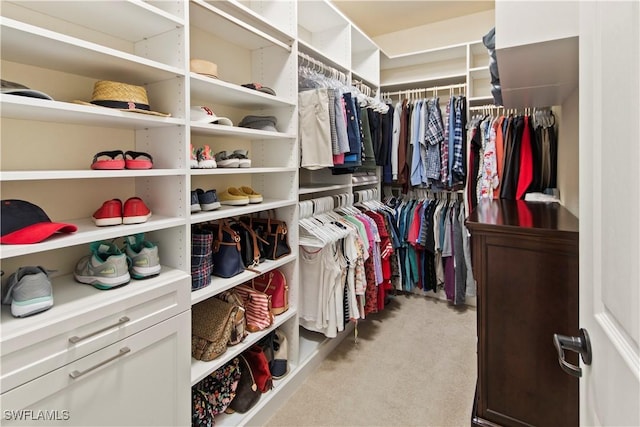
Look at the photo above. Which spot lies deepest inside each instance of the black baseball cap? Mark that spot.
(23, 222)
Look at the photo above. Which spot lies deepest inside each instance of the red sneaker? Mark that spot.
(110, 213)
(135, 211)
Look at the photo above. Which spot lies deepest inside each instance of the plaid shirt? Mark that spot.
(434, 135)
(458, 166)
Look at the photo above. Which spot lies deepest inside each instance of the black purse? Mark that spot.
(274, 231)
(226, 251)
(251, 245)
(247, 392)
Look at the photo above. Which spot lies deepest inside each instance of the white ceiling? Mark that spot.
(376, 17)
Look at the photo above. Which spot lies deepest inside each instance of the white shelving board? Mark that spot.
(251, 35)
(229, 211)
(25, 108)
(28, 44)
(88, 232)
(129, 20)
(200, 369)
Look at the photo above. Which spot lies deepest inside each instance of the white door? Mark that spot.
(610, 211)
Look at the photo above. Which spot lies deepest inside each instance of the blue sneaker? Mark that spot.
(29, 291)
(208, 200)
(105, 268)
(143, 256)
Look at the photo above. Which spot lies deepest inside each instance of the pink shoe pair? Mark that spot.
(112, 212)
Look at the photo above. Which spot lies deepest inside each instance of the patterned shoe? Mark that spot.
(243, 160)
(205, 159)
(105, 268)
(29, 291)
(224, 160)
(144, 258)
(193, 158)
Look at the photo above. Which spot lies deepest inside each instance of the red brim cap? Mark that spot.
(36, 233)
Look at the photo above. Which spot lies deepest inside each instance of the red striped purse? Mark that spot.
(257, 307)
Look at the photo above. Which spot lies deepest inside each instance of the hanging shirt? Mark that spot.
(395, 140)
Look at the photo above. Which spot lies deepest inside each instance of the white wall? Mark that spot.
(443, 33)
(568, 143)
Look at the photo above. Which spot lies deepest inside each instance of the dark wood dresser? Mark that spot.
(525, 260)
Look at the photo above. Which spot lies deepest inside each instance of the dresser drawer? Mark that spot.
(84, 320)
(140, 380)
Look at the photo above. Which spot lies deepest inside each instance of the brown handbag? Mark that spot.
(274, 231)
(211, 323)
(239, 330)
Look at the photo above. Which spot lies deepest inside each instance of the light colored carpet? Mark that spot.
(414, 365)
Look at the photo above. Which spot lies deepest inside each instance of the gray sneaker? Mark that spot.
(143, 255)
(29, 291)
(105, 268)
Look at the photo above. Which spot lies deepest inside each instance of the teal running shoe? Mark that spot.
(105, 268)
(143, 255)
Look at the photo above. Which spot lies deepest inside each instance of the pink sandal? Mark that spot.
(138, 160)
(108, 160)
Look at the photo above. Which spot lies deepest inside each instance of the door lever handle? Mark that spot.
(580, 345)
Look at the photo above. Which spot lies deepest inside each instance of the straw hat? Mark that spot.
(121, 96)
(206, 68)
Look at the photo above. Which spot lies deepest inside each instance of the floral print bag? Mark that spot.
(214, 393)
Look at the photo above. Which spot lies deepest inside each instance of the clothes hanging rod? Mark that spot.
(333, 72)
(426, 89)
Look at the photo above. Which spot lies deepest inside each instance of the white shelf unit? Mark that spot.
(62, 49)
(463, 63)
(250, 42)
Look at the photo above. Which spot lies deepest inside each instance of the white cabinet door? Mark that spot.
(140, 380)
(610, 211)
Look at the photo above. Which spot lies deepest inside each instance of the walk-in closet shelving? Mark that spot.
(63, 49)
(250, 43)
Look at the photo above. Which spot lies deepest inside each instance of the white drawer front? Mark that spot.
(140, 380)
(67, 335)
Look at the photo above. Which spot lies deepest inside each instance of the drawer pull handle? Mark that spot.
(77, 374)
(74, 339)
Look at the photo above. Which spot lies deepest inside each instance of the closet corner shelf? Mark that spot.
(365, 183)
(423, 82)
(445, 53)
(88, 232)
(479, 72)
(476, 101)
(200, 369)
(254, 35)
(28, 44)
(229, 211)
(35, 109)
(318, 188)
